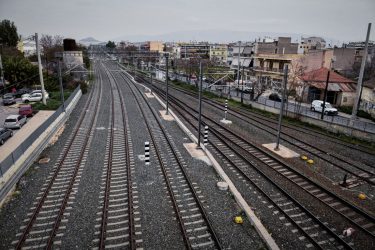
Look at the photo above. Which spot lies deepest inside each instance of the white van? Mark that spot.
(317, 105)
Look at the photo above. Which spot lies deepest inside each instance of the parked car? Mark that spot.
(5, 133)
(40, 91)
(274, 97)
(26, 110)
(35, 97)
(21, 92)
(15, 121)
(8, 99)
(317, 105)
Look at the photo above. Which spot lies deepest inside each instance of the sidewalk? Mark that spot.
(32, 124)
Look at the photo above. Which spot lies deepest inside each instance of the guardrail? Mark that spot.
(18, 152)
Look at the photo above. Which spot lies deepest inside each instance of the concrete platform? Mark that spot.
(149, 95)
(283, 151)
(165, 116)
(197, 153)
(32, 124)
(225, 121)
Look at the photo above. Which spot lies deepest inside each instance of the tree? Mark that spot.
(111, 45)
(296, 87)
(50, 45)
(19, 70)
(8, 33)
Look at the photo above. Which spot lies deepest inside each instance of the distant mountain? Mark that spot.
(88, 41)
(219, 36)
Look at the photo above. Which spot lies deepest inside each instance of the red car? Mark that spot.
(26, 110)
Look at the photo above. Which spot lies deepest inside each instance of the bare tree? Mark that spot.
(50, 45)
(296, 86)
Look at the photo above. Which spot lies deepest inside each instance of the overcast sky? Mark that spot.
(344, 20)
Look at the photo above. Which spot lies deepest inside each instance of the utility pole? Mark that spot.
(325, 94)
(239, 65)
(61, 88)
(360, 79)
(281, 108)
(242, 85)
(167, 57)
(200, 104)
(40, 68)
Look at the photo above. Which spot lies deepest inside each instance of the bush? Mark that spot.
(360, 113)
(84, 86)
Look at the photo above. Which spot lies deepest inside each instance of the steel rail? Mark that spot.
(50, 183)
(200, 206)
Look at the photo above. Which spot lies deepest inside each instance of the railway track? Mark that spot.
(118, 223)
(47, 219)
(360, 171)
(243, 149)
(195, 226)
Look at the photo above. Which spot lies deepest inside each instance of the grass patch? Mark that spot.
(53, 102)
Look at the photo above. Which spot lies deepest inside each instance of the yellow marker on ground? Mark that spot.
(238, 220)
(362, 196)
(310, 161)
(304, 157)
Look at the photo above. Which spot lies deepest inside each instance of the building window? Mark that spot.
(345, 99)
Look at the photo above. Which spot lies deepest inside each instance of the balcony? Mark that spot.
(268, 70)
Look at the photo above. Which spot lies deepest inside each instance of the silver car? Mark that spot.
(15, 121)
(8, 99)
(5, 134)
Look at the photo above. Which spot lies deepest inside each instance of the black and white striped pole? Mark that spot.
(205, 138)
(224, 120)
(147, 153)
(226, 109)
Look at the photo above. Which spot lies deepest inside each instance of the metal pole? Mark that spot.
(242, 85)
(61, 88)
(239, 58)
(226, 109)
(167, 56)
(40, 68)
(151, 81)
(205, 138)
(200, 104)
(360, 79)
(147, 153)
(281, 108)
(325, 94)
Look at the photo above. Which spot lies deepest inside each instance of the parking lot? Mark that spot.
(5, 111)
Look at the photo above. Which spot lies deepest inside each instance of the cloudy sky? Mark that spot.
(344, 20)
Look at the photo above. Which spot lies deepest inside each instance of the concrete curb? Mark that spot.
(15, 172)
(254, 220)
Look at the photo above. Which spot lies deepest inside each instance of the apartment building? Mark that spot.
(270, 57)
(194, 50)
(311, 43)
(218, 53)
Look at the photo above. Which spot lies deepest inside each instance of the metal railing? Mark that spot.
(360, 125)
(20, 150)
